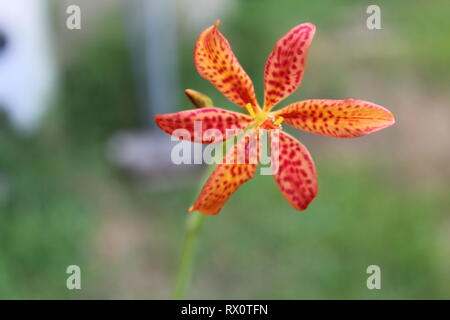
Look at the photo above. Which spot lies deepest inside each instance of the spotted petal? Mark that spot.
(347, 118)
(286, 64)
(294, 170)
(204, 125)
(216, 62)
(238, 166)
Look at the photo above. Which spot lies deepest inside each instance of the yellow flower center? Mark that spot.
(264, 119)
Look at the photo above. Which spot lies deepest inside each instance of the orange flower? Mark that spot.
(296, 174)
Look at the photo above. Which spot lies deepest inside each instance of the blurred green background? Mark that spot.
(383, 199)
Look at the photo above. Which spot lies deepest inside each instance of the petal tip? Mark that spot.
(392, 120)
(157, 118)
(307, 204)
(311, 25)
(217, 24)
(203, 211)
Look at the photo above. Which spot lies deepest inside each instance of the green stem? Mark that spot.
(193, 225)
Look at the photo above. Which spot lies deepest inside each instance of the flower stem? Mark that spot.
(193, 225)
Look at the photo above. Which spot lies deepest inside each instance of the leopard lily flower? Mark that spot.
(296, 176)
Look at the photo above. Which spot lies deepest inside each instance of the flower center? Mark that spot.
(264, 119)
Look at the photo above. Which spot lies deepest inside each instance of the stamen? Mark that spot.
(250, 110)
(278, 121)
(217, 24)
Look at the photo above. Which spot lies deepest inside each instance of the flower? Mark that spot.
(296, 175)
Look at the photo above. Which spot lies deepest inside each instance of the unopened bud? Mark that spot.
(198, 99)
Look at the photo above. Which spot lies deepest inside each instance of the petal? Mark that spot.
(228, 176)
(294, 170)
(196, 122)
(216, 62)
(286, 64)
(347, 118)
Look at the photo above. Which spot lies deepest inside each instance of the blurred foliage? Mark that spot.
(51, 183)
(101, 73)
(44, 227)
(425, 26)
(261, 248)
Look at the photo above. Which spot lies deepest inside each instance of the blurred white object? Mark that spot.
(27, 70)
